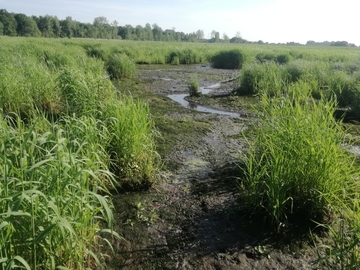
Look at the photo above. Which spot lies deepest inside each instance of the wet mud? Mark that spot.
(192, 218)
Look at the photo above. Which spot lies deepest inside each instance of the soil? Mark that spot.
(192, 217)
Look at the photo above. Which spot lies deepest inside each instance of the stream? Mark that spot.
(180, 98)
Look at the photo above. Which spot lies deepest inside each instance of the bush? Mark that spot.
(228, 59)
(289, 170)
(120, 66)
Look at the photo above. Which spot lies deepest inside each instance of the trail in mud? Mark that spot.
(191, 218)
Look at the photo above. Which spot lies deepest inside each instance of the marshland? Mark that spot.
(102, 169)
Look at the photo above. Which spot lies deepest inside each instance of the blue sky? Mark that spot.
(268, 20)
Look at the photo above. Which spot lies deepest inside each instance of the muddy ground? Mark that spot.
(192, 217)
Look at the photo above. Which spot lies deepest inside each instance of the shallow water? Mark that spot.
(180, 99)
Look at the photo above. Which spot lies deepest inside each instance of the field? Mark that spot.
(100, 167)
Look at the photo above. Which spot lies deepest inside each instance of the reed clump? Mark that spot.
(297, 166)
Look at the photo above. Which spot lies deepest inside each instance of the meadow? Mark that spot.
(68, 138)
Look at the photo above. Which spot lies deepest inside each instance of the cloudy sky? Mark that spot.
(267, 20)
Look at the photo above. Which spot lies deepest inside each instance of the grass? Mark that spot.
(289, 170)
(194, 87)
(120, 66)
(51, 207)
(65, 132)
(233, 59)
(132, 144)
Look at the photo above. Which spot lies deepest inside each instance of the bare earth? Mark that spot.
(192, 219)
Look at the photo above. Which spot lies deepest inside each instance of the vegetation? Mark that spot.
(120, 66)
(233, 59)
(290, 172)
(194, 87)
(66, 138)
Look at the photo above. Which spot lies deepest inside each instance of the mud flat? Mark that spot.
(191, 219)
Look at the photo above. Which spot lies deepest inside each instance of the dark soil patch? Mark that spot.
(192, 218)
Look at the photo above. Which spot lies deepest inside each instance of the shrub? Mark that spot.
(120, 66)
(289, 171)
(232, 59)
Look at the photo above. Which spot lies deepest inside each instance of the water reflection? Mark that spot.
(180, 98)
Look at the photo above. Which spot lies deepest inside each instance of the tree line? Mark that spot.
(18, 24)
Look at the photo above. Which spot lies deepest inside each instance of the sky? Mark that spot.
(273, 21)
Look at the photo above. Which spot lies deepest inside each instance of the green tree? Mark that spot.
(200, 34)
(226, 38)
(45, 26)
(104, 29)
(9, 23)
(67, 27)
(149, 34)
(157, 32)
(140, 32)
(115, 30)
(26, 26)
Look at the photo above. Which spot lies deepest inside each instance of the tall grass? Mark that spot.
(259, 78)
(194, 87)
(120, 66)
(296, 167)
(132, 145)
(64, 132)
(233, 59)
(50, 204)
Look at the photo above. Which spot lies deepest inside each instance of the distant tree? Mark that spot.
(114, 26)
(238, 34)
(9, 23)
(200, 34)
(103, 28)
(89, 30)
(310, 43)
(67, 27)
(213, 33)
(130, 32)
(26, 26)
(100, 21)
(56, 26)
(226, 38)
(339, 43)
(149, 34)
(1, 29)
(157, 32)
(217, 37)
(46, 26)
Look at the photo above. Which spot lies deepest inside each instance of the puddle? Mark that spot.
(207, 89)
(180, 99)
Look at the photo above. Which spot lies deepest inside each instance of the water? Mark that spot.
(180, 99)
(206, 90)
